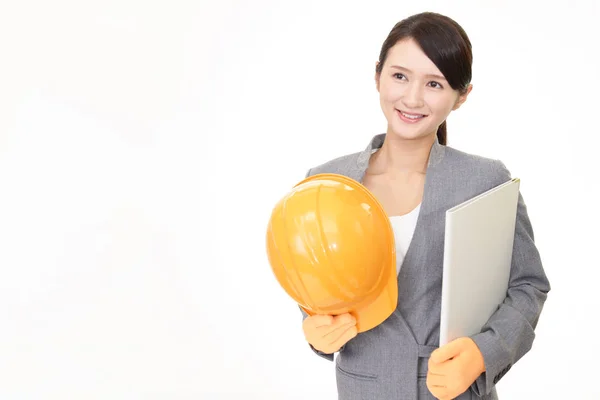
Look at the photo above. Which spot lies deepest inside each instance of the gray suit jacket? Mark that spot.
(389, 362)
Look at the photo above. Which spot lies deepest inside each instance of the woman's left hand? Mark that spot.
(453, 368)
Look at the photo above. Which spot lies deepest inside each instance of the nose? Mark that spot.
(413, 96)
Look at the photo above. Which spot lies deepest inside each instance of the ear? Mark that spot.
(462, 98)
(377, 76)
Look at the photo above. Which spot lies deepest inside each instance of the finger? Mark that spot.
(335, 333)
(437, 393)
(438, 381)
(446, 352)
(318, 321)
(344, 319)
(348, 335)
(436, 388)
(438, 368)
(341, 321)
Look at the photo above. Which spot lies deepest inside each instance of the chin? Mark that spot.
(407, 134)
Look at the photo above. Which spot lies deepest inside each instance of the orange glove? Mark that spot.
(453, 368)
(328, 333)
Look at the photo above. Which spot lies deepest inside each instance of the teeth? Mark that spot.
(412, 116)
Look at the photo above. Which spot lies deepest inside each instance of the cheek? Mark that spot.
(441, 105)
(389, 93)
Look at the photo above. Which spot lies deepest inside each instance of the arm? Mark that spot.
(509, 333)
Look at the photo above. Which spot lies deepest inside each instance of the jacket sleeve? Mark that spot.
(509, 333)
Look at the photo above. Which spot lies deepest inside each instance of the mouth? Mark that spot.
(409, 117)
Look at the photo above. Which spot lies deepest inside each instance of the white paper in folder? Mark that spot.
(478, 249)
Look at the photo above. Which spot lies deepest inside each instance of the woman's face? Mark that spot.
(414, 95)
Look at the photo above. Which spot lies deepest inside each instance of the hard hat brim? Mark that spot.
(375, 313)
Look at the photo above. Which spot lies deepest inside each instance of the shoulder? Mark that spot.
(473, 166)
(461, 175)
(338, 165)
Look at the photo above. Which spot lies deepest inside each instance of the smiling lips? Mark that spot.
(410, 118)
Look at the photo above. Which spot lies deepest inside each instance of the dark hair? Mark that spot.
(445, 43)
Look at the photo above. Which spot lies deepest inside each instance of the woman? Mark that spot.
(423, 74)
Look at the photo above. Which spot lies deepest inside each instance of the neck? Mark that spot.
(402, 155)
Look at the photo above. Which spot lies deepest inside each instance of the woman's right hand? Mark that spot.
(328, 333)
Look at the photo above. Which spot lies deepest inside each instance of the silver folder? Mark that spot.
(478, 248)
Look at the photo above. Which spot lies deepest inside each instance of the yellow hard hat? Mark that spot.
(331, 247)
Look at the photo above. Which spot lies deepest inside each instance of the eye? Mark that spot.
(398, 75)
(436, 85)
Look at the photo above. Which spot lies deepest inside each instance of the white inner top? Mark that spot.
(404, 228)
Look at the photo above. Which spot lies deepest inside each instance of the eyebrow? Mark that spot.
(408, 70)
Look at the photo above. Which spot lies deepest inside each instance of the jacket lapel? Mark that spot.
(410, 275)
(358, 169)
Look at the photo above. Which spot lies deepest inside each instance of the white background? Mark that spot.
(143, 145)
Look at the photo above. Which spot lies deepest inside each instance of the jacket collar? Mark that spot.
(358, 171)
